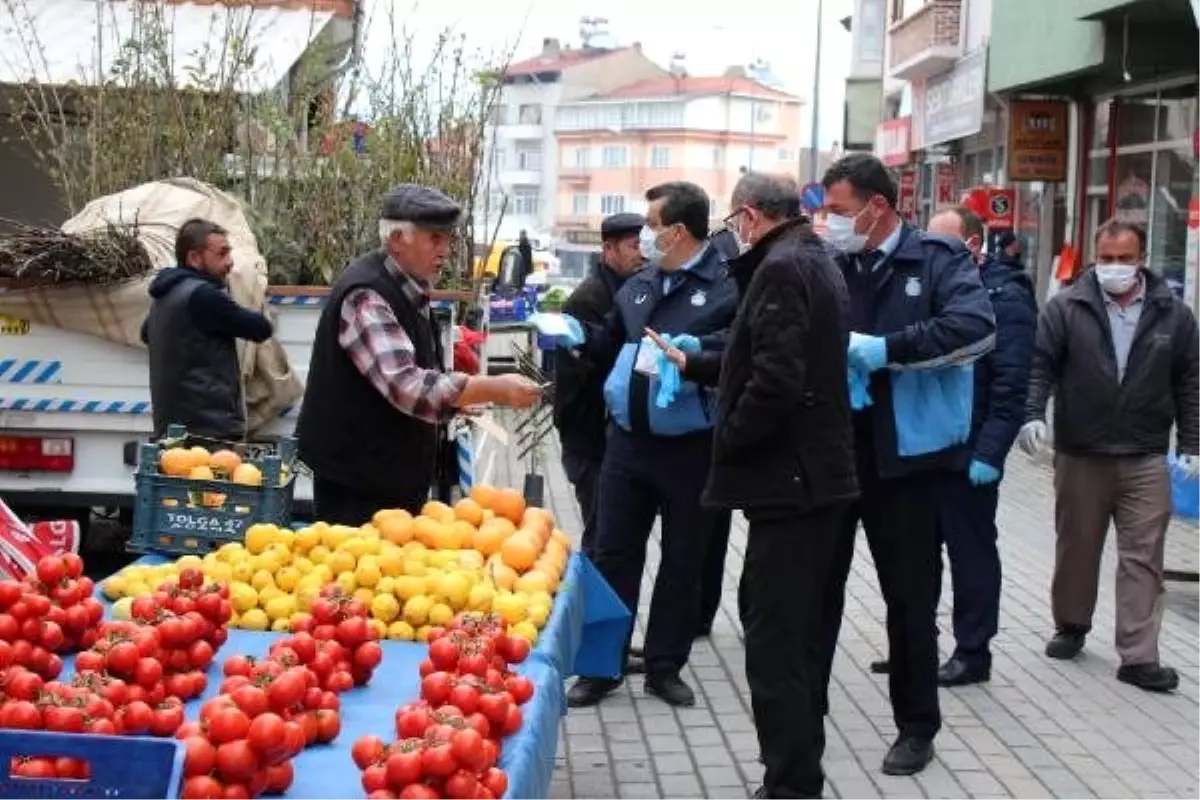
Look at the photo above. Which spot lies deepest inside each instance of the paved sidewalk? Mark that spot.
(1040, 728)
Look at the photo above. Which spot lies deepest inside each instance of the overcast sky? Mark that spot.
(781, 32)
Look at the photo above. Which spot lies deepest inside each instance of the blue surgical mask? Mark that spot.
(648, 244)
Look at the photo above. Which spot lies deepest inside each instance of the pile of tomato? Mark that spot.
(91, 703)
(338, 619)
(448, 743)
(51, 612)
(167, 658)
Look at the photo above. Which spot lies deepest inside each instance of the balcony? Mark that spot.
(927, 41)
(519, 177)
(574, 175)
(520, 132)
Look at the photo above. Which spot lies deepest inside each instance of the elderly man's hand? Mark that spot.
(518, 391)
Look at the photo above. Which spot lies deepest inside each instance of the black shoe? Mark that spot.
(636, 652)
(908, 756)
(704, 632)
(760, 793)
(957, 672)
(1066, 644)
(881, 667)
(1151, 677)
(671, 689)
(635, 664)
(590, 691)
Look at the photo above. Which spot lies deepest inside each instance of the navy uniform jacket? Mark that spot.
(930, 306)
(702, 302)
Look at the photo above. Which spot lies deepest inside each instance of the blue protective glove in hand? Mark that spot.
(860, 397)
(669, 376)
(981, 474)
(576, 335)
(685, 342)
(867, 353)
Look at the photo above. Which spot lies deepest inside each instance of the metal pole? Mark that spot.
(814, 155)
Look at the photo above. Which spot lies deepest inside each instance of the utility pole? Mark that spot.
(814, 156)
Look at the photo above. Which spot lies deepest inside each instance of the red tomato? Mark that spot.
(102, 727)
(238, 665)
(465, 697)
(403, 768)
(228, 724)
(329, 725)
(491, 752)
(51, 570)
(308, 721)
(250, 698)
(279, 778)
(236, 761)
(22, 715)
(444, 654)
(366, 750)
(352, 631)
(305, 646)
(480, 723)
(461, 786)
(64, 719)
(382, 794)
(436, 688)
(167, 719)
(75, 769)
(77, 619)
(287, 690)
(427, 668)
(36, 768)
(495, 781)
(412, 722)
(512, 722)
(437, 760)
(200, 654)
(89, 661)
(520, 687)
(123, 658)
(516, 649)
(467, 747)
(374, 778)
(199, 756)
(202, 787)
(473, 664)
(137, 717)
(73, 564)
(147, 672)
(293, 736)
(236, 791)
(267, 736)
(339, 681)
(495, 707)
(10, 592)
(368, 655)
(419, 791)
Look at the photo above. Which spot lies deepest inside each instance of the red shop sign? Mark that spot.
(892, 141)
(908, 195)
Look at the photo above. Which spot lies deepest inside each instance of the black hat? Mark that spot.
(616, 226)
(421, 205)
(1005, 239)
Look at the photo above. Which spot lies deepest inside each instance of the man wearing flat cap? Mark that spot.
(579, 410)
(376, 393)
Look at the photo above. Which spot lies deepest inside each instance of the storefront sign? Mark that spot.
(1037, 140)
(1002, 208)
(583, 237)
(908, 195)
(954, 101)
(892, 141)
(1191, 261)
(946, 178)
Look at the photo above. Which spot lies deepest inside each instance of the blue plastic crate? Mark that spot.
(181, 516)
(121, 766)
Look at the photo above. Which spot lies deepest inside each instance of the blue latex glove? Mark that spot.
(669, 380)
(577, 335)
(867, 353)
(685, 342)
(860, 397)
(981, 474)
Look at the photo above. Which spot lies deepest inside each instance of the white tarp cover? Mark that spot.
(115, 313)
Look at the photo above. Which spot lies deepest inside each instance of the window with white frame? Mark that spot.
(612, 204)
(718, 157)
(785, 154)
(529, 159)
(529, 115)
(526, 202)
(583, 157)
(579, 205)
(660, 156)
(614, 156)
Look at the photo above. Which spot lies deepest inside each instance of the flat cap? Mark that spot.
(621, 225)
(422, 205)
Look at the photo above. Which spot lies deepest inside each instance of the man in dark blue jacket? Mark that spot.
(918, 314)
(968, 500)
(659, 447)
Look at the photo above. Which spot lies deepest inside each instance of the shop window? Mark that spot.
(1131, 199)
(1100, 124)
(1174, 176)
(1177, 114)
(1136, 120)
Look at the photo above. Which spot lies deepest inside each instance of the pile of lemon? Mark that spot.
(411, 572)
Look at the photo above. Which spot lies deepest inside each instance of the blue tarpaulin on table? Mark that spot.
(588, 626)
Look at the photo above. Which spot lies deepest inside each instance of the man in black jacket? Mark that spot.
(579, 412)
(192, 332)
(967, 504)
(1120, 353)
(783, 454)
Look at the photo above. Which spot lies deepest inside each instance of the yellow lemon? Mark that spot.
(422, 633)
(386, 586)
(114, 587)
(391, 563)
(323, 572)
(336, 535)
(243, 571)
(281, 607)
(416, 610)
(379, 627)
(287, 578)
(262, 579)
(123, 608)
(440, 614)
(480, 597)
(306, 539)
(189, 562)
(355, 546)
(285, 537)
(242, 596)
(137, 589)
(441, 558)
(267, 594)
(415, 568)
(414, 549)
(302, 565)
(532, 581)
(538, 614)
(409, 586)
(340, 561)
(401, 631)
(454, 589)
(221, 572)
(512, 607)
(319, 554)
(471, 559)
(230, 552)
(540, 599)
(281, 626)
(385, 607)
(367, 572)
(259, 538)
(364, 596)
(347, 582)
(255, 620)
(526, 631)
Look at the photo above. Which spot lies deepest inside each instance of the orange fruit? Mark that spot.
(201, 473)
(224, 462)
(510, 504)
(561, 537)
(426, 529)
(439, 511)
(176, 462)
(464, 534)
(200, 457)
(247, 474)
(395, 525)
(485, 495)
(535, 517)
(491, 535)
(469, 511)
(519, 551)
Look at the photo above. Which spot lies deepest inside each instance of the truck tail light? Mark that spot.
(37, 454)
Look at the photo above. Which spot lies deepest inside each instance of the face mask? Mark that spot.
(839, 233)
(648, 244)
(1116, 278)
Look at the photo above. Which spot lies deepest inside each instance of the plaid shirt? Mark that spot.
(383, 352)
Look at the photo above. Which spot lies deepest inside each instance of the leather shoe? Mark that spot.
(635, 664)
(590, 691)
(881, 667)
(671, 689)
(1151, 677)
(1066, 644)
(908, 756)
(957, 672)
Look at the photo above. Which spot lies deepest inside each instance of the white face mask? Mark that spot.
(1116, 278)
(648, 244)
(839, 233)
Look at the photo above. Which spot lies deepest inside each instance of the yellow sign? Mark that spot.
(12, 326)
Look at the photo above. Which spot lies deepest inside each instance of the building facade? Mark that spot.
(615, 145)
(522, 158)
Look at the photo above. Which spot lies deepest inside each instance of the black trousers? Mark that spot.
(584, 474)
(900, 517)
(967, 521)
(642, 477)
(342, 505)
(789, 559)
(714, 570)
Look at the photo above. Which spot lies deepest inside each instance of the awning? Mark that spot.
(59, 42)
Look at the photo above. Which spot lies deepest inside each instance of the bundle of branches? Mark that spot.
(34, 256)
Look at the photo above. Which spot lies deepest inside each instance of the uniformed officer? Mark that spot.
(579, 412)
(660, 443)
(375, 393)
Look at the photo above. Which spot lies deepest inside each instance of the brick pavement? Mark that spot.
(1040, 728)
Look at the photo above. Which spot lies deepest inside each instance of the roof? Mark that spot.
(688, 86)
(58, 42)
(557, 63)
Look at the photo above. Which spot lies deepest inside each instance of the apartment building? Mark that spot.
(708, 130)
(522, 158)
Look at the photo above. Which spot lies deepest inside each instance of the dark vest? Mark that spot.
(194, 376)
(348, 432)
